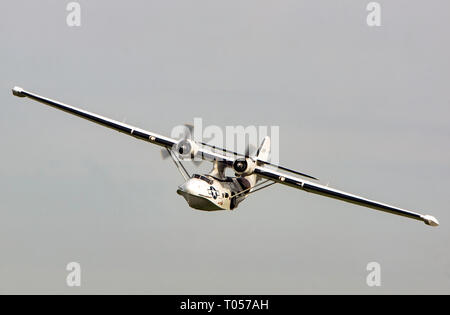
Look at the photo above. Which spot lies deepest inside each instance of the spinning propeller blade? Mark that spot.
(188, 133)
(248, 150)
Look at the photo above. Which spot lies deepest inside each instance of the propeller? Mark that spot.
(165, 154)
(250, 149)
(188, 132)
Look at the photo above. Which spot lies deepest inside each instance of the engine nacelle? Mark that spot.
(186, 148)
(244, 166)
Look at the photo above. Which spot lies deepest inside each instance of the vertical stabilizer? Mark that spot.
(261, 154)
(264, 149)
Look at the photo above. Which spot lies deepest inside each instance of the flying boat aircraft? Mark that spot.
(214, 190)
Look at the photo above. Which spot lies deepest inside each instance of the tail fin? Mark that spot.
(264, 149)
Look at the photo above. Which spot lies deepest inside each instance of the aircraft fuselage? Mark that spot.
(205, 192)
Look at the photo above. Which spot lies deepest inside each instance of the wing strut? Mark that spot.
(179, 165)
(252, 189)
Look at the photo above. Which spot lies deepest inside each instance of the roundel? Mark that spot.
(213, 192)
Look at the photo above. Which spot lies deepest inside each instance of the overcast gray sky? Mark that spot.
(364, 108)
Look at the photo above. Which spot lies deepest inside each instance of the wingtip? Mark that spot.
(18, 91)
(430, 220)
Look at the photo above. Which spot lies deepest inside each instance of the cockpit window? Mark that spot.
(206, 179)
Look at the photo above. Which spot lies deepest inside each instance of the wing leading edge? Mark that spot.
(341, 195)
(202, 153)
(104, 121)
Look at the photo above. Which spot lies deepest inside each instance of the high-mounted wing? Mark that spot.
(259, 162)
(315, 188)
(138, 133)
(186, 147)
(107, 122)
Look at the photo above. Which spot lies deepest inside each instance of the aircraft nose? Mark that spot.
(191, 187)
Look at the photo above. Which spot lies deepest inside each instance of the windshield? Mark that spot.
(206, 179)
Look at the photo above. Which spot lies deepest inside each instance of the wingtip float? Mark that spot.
(430, 220)
(18, 91)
